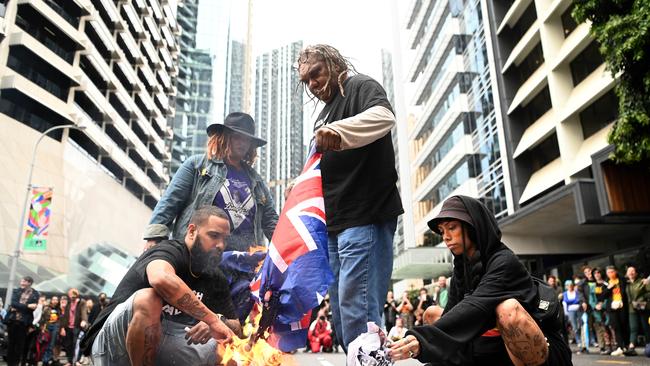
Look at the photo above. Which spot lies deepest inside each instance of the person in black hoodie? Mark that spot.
(487, 319)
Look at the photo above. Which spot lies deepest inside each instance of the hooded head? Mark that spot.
(482, 230)
(480, 222)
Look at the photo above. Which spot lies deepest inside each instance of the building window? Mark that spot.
(544, 153)
(585, 63)
(67, 10)
(28, 111)
(536, 107)
(525, 22)
(599, 114)
(38, 71)
(568, 23)
(32, 22)
(530, 64)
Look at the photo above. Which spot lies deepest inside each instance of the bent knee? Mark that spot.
(147, 302)
(432, 314)
(510, 311)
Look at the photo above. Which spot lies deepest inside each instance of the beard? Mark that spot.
(204, 262)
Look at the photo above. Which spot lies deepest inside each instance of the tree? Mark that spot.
(622, 28)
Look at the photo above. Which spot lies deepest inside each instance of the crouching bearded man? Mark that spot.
(143, 315)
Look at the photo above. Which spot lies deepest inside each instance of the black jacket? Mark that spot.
(21, 312)
(478, 285)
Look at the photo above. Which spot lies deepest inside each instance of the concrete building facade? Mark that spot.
(109, 66)
(569, 200)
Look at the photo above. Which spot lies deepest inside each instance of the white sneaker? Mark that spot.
(617, 352)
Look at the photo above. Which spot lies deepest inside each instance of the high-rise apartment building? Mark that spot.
(569, 200)
(235, 69)
(194, 98)
(109, 66)
(239, 68)
(279, 118)
(453, 132)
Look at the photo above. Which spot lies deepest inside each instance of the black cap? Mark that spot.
(452, 209)
(237, 122)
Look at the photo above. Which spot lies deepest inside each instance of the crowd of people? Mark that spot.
(40, 327)
(410, 311)
(602, 310)
(606, 311)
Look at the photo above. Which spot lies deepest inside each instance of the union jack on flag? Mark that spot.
(297, 265)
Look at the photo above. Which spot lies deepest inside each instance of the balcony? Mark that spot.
(422, 262)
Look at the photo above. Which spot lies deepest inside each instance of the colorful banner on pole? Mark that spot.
(38, 222)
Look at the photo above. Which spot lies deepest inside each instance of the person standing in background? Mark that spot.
(390, 311)
(571, 302)
(600, 315)
(638, 295)
(442, 293)
(50, 318)
(405, 309)
(24, 301)
(73, 319)
(616, 312)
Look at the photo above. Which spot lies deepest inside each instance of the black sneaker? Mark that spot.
(630, 352)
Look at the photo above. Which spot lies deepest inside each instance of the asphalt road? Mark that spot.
(338, 359)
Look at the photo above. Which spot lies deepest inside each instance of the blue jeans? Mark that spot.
(53, 329)
(361, 259)
(573, 319)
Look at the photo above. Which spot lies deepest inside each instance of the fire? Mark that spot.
(258, 248)
(242, 353)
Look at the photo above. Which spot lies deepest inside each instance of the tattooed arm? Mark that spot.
(163, 279)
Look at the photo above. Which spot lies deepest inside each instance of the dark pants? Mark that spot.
(68, 342)
(618, 322)
(29, 349)
(17, 333)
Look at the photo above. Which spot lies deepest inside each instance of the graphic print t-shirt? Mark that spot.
(236, 198)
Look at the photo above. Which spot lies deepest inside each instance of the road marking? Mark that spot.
(614, 362)
(324, 362)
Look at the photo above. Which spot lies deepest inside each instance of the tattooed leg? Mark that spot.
(524, 340)
(143, 335)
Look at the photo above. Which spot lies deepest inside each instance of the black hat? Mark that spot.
(452, 209)
(237, 122)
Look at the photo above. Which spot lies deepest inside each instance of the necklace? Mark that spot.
(192, 273)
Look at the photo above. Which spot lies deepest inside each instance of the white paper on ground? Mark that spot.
(369, 349)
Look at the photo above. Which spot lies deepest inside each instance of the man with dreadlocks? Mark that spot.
(359, 185)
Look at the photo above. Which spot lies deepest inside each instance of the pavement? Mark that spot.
(338, 359)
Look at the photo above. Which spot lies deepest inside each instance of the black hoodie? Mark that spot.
(494, 275)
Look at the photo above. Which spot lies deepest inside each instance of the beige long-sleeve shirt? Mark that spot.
(364, 128)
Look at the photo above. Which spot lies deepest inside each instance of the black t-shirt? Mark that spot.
(359, 185)
(177, 255)
(213, 291)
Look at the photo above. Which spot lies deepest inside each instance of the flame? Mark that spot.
(255, 249)
(242, 353)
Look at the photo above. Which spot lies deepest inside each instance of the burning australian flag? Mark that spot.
(296, 270)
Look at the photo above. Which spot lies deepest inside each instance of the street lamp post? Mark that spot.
(23, 212)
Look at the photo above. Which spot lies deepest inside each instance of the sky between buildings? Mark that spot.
(358, 28)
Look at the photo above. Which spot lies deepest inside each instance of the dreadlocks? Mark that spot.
(334, 61)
